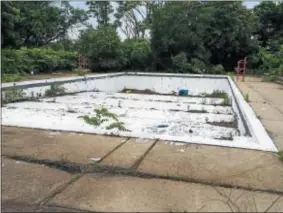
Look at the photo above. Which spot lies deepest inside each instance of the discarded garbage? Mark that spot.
(183, 92)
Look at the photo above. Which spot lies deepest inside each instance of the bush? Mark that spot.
(5, 78)
(37, 60)
(272, 64)
(180, 63)
(103, 47)
(218, 69)
(137, 53)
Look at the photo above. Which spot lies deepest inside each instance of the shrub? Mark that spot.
(180, 63)
(37, 59)
(5, 78)
(218, 69)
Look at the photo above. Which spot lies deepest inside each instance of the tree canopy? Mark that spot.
(175, 36)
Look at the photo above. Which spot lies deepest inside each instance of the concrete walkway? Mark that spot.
(51, 171)
(266, 99)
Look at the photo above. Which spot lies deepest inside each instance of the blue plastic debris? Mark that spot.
(183, 92)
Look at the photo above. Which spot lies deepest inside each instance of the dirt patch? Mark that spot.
(145, 91)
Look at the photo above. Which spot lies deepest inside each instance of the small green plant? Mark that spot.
(119, 125)
(105, 113)
(280, 154)
(13, 94)
(95, 121)
(80, 71)
(247, 99)
(54, 90)
(223, 95)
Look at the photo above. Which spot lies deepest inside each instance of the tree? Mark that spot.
(102, 46)
(37, 23)
(101, 11)
(270, 16)
(134, 17)
(137, 52)
(209, 33)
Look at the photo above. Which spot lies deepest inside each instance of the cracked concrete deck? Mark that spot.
(266, 99)
(54, 171)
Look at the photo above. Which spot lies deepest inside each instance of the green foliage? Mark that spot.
(102, 115)
(95, 121)
(103, 47)
(37, 23)
(272, 64)
(5, 78)
(218, 69)
(211, 32)
(247, 98)
(103, 112)
(37, 60)
(119, 125)
(180, 63)
(223, 95)
(80, 71)
(101, 11)
(137, 53)
(54, 90)
(12, 95)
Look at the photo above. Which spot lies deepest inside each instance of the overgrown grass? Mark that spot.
(54, 90)
(80, 71)
(223, 95)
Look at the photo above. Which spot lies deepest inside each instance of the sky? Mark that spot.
(81, 4)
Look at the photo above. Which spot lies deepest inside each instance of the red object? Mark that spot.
(242, 68)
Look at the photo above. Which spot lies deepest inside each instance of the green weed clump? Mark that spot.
(54, 90)
(13, 95)
(223, 95)
(247, 98)
(103, 115)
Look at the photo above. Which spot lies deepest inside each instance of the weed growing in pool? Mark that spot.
(221, 94)
(247, 98)
(103, 112)
(102, 115)
(13, 94)
(95, 121)
(54, 90)
(119, 125)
